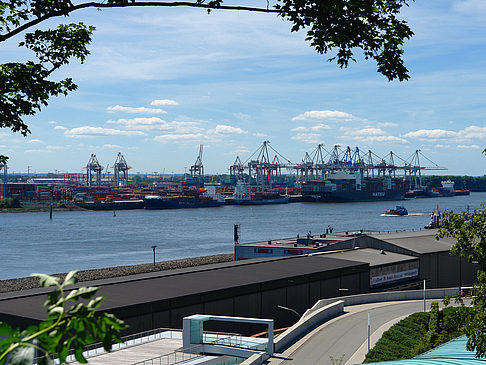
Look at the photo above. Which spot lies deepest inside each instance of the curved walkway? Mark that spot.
(345, 337)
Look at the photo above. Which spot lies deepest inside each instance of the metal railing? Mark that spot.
(127, 341)
(175, 357)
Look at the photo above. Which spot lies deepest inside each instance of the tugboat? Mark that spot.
(435, 220)
(399, 210)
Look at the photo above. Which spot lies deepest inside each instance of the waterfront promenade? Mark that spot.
(343, 337)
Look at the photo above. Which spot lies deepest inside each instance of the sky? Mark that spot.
(159, 82)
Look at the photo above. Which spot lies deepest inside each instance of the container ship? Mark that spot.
(343, 187)
(244, 195)
(111, 205)
(447, 189)
(179, 201)
(211, 197)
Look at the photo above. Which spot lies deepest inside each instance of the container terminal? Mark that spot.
(338, 175)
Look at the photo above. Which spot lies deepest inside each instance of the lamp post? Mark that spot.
(425, 296)
(290, 309)
(369, 328)
(153, 249)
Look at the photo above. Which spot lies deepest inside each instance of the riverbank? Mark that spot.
(26, 283)
(28, 207)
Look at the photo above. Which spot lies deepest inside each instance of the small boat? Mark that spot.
(399, 210)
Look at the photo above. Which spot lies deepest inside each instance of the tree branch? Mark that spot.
(68, 10)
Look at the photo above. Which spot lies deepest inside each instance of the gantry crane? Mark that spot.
(120, 171)
(93, 171)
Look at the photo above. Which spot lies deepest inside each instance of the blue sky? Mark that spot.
(160, 82)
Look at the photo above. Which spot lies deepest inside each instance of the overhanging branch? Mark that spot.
(68, 10)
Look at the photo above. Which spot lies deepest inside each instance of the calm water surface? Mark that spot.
(30, 242)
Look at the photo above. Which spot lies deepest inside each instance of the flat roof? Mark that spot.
(146, 288)
(369, 255)
(421, 242)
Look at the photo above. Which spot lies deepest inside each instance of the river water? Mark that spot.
(30, 242)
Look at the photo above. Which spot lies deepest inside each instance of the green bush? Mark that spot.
(396, 343)
(10, 203)
(61, 204)
(418, 333)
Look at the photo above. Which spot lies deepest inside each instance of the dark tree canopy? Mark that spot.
(469, 230)
(342, 27)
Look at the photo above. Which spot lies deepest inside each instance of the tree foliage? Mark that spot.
(68, 327)
(339, 26)
(469, 229)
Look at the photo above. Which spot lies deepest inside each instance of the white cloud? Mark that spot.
(111, 146)
(311, 138)
(164, 102)
(470, 7)
(52, 122)
(473, 132)
(242, 116)
(370, 135)
(386, 124)
(442, 146)
(155, 123)
(260, 135)
(300, 129)
(369, 139)
(320, 127)
(431, 134)
(137, 110)
(88, 131)
(469, 147)
(60, 127)
(227, 129)
(57, 148)
(365, 132)
(178, 137)
(38, 151)
(36, 141)
(332, 115)
(468, 133)
(241, 149)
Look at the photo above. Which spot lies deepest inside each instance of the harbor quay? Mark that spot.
(357, 262)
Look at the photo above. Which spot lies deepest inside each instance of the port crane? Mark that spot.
(120, 171)
(262, 168)
(197, 170)
(93, 171)
(321, 163)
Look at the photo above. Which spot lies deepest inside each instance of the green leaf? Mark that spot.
(5, 329)
(71, 278)
(22, 356)
(78, 354)
(95, 303)
(84, 292)
(47, 280)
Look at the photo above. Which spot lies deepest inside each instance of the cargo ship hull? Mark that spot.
(279, 200)
(180, 203)
(352, 187)
(113, 205)
(355, 196)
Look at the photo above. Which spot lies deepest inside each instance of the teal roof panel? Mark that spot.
(453, 352)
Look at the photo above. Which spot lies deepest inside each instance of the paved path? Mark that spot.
(346, 335)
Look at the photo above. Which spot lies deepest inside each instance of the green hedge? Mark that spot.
(400, 339)
(10, 203)
(418, 333)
